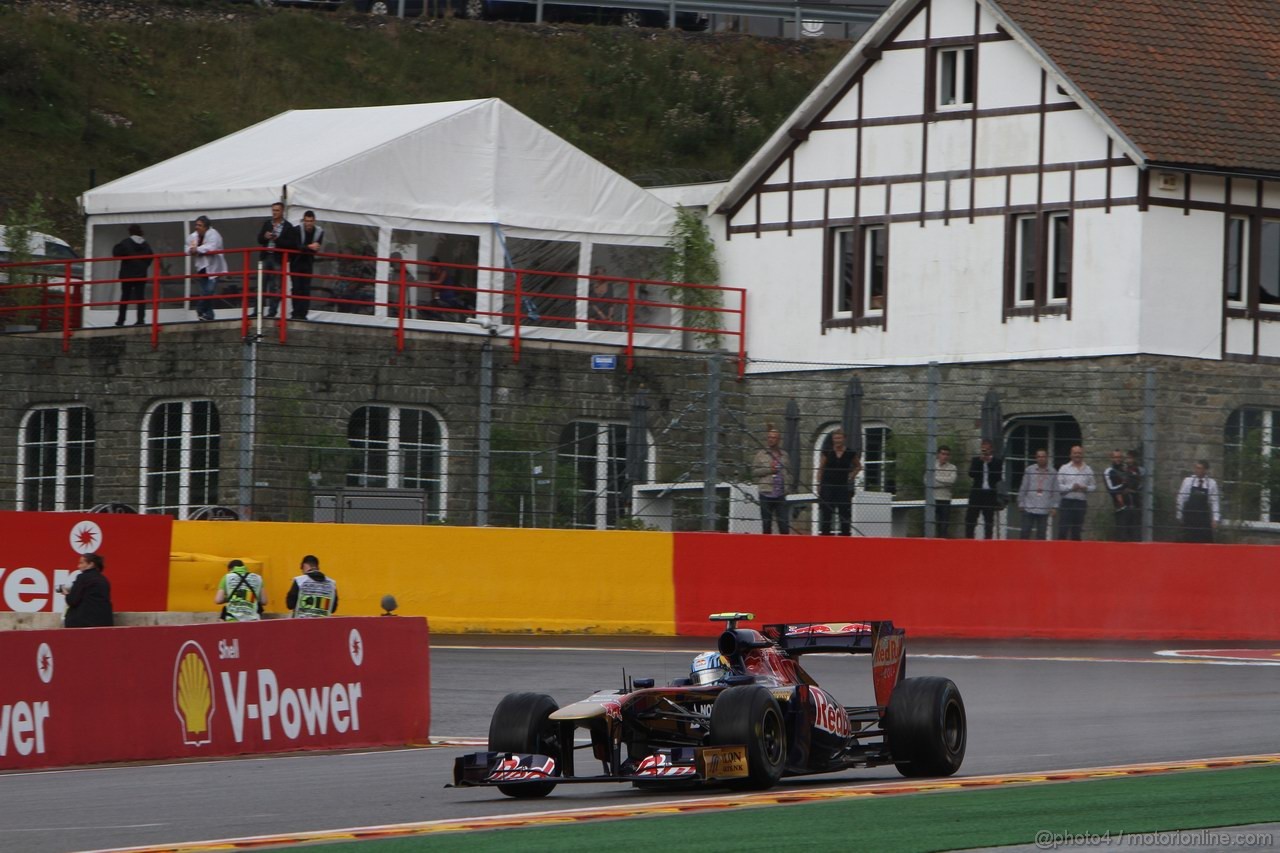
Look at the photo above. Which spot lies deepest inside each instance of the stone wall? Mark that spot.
(309, 387)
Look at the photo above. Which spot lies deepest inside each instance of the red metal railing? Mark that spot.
(416, 294)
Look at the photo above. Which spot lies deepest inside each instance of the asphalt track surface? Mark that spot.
(1031, 707)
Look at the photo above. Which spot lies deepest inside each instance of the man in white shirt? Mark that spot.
(1198, 504)
(1075, 482)
(1037, 496)
(944, 478)
(207, 262)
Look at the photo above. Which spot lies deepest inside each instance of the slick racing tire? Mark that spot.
(925, 727)
(748, 714)
(521, 723)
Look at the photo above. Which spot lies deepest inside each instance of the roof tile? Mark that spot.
(1192, 82)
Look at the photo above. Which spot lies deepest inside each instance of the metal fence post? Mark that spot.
(931, 450)
(711, 445)
(1148, 452)
(248, 412)
(484, 432)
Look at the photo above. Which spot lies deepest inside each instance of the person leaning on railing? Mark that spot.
(208, 263)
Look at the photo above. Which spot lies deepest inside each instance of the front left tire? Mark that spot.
(522, 723)
(748, 714)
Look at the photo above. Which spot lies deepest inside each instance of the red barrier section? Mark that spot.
(83, 696)
(941, 588)
(39, 551)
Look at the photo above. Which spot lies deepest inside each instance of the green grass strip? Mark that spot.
(923, 822)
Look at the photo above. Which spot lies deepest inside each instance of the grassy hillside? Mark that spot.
(105, 87)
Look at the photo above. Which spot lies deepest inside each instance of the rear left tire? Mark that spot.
(926, 727)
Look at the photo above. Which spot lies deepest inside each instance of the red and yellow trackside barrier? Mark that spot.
(501, 580)
(464, 579)
(942, 588)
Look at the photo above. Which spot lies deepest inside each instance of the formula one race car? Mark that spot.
(747, 716)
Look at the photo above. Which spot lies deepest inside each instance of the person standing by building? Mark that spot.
(1037, 496)
(944, 479)
(89, 595)
(837, 468)
(985, 472)
(1199, 508)
(1122, 498)
(1134, 478)
(1075, 482)
(302, 265)
(770, 467)
(312, 593)
(241, 594)
(135, 264)
(208, 263)
(275, 234)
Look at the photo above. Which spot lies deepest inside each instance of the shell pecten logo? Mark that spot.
(193, 699)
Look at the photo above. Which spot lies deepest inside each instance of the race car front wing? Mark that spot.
(676, 764)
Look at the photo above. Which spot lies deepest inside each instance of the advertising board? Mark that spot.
(90, 695)
(39, 552)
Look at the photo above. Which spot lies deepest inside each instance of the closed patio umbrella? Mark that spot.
(851, 422)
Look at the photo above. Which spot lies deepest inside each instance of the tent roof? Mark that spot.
(478, 161)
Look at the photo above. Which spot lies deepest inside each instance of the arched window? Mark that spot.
(55, 459)
(596, 491)
(395, 447)
(1251, 464)
(1027, 434)
(181, 447)
(877, 456)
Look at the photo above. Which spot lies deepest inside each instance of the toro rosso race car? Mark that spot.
(747, 715)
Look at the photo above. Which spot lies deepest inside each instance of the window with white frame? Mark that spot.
(1252, 262)
(395, 447)
(842, 278)
(1236, 271)
(1269, 263)
(1040, 260)
(1251, 464)
(874, 282)
(955, 77)
(593, 490)
(181, 445)
(55, 459)
(860, 273)
(876, 457)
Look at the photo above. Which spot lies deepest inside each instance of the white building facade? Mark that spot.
(1052, 200)
(950, 194)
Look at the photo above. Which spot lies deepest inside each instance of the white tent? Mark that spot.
(475, 182)
(477, 161)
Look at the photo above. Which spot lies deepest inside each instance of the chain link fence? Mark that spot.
(337, 425)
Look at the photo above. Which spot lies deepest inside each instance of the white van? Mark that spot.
(44, 248)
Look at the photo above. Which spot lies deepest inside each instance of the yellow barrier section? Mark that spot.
(194, 578)
(462, 579)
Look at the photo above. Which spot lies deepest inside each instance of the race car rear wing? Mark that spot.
(880, 639)
(830, 637)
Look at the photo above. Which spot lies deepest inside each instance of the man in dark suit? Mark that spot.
(310, 241)
(985, 472)
(275, 234)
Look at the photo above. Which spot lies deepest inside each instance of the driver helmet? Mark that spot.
(708, 668)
